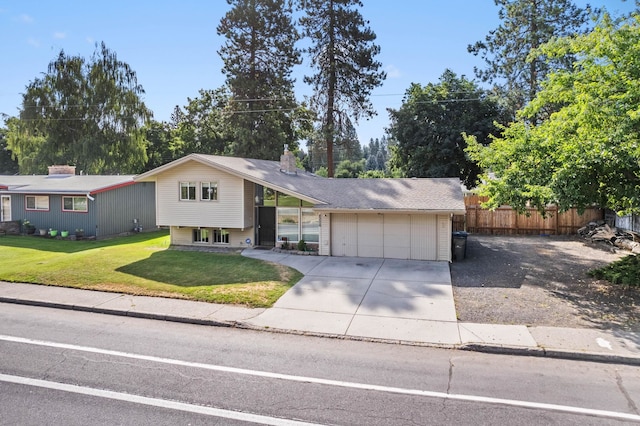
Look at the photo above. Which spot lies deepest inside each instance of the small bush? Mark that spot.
(302, 245)
(625, 271)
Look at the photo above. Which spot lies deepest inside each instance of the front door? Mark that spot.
(5, 209)
(266, 226)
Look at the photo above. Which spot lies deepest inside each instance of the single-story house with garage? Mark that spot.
(100, 205)
(214, 200)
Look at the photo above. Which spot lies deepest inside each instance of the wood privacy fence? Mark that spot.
(505, 220)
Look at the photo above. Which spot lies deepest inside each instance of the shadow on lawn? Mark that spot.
(69, 246)
(197, 269)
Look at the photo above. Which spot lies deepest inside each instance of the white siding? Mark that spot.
(397, 236)
(371, 235)
(444, 238)
(325, 234)
(227, 212)
(183, 236)
(344, 234)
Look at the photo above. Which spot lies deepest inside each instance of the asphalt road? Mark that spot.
(75, 368)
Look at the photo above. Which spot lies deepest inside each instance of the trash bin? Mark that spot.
(459, 245)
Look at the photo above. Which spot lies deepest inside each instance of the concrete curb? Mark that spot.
(474, 347)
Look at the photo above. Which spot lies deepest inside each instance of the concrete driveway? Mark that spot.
(376, 298)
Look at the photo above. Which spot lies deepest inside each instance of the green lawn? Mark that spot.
(142, 264)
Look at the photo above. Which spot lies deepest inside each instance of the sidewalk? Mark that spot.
(579, 344)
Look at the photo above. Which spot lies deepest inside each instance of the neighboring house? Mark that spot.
(99, 205)
(237, 202)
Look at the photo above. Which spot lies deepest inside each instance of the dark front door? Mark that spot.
(267, 226)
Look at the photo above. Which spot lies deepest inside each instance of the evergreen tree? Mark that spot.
(258, 57)
(509, 51)
(342, 53)
(428, 128)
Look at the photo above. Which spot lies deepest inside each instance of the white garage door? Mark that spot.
(396, 236)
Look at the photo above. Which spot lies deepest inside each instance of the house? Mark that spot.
(99, 205)
(238, 202)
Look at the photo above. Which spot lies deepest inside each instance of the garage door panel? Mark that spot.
(344, 235)
(423, 237)
(397, 236)
(370, 235)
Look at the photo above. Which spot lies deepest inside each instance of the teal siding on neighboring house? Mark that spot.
(110, 213)
(116, 209)
(54, 218)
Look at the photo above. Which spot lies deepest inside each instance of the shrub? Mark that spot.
(625, 271)
(302, 245)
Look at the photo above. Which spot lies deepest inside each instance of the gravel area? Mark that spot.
(541, 281)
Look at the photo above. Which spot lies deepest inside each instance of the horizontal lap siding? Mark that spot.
(237, 238)
(227, 212)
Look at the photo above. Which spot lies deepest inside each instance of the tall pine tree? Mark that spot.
(343, 55)
(509, 51)
(259, 55)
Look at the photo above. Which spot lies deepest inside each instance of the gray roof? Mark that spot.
(62, 184)
(411, 194)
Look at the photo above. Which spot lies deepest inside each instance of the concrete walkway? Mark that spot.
(386, 300)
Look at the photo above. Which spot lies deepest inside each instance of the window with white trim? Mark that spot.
(187, 191)
(37, 202)
(200, 235)
(209, 191)
(288, 222)
(310, 225)
(220, 236)
(74, 204)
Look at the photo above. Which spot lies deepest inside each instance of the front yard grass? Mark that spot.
(143, 264)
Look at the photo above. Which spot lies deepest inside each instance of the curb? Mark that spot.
(471, 347)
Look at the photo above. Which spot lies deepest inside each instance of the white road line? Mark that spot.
(155, 402)
(328, 382)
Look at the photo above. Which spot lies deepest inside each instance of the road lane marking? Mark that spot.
(155, 402)
(329, 382)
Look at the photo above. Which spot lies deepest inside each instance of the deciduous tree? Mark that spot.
(83, 112)
(588, 152)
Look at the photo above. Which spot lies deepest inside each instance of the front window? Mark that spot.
(74, 204)
(37, 202)
(288, 220)
(187, 191)
(310, 226)
(200, 235)
(220, 236)
(209, 191)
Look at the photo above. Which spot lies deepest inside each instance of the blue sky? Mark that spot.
(173, 46)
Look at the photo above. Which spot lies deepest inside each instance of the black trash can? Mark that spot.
(459, 245)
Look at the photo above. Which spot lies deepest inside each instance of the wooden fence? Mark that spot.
(505, 220)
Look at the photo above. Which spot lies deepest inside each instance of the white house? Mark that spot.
(240, 202)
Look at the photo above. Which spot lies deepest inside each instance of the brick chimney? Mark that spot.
(62, 170)
(288, 162)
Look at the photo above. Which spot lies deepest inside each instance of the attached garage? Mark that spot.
(391, 235)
